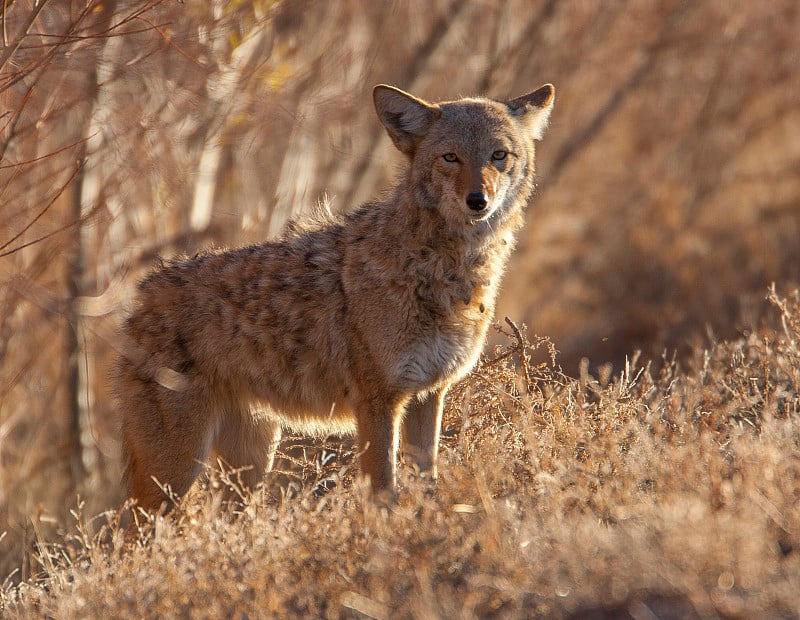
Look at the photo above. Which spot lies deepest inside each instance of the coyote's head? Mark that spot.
(471, 158)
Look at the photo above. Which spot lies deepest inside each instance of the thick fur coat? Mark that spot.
(354, 323)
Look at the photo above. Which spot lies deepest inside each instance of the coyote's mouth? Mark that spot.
(482, 215)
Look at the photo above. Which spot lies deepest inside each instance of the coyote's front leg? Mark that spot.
(421, 430)
(379, 439)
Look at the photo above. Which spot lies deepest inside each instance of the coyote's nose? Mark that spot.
(477, 201)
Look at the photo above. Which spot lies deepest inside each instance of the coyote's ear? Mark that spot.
(534, 108)
(405, 117)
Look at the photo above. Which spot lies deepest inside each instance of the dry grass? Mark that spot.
(673, 491)
(669, 186)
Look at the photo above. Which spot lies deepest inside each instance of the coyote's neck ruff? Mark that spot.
(362, 321)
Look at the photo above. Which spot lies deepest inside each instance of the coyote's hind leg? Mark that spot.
(247, 441)
(166, 437)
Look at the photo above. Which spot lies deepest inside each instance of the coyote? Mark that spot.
(358, 322)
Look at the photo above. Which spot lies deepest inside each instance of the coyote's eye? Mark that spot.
(499, 155)
(450, 157)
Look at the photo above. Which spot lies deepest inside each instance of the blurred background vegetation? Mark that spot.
(669, 180)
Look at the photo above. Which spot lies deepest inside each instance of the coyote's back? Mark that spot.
(360, 322)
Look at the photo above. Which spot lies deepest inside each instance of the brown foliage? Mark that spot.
(668, 492)
(668, 202)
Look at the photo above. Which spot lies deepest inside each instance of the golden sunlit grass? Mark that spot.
(667, 201)
(669, 490)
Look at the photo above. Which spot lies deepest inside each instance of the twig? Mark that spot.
(11, 49)
(523, 354)
(39, 215)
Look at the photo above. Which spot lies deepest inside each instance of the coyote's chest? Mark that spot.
(441, 354)
(447, 328)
